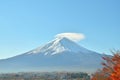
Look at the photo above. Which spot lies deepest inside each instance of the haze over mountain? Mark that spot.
(60, 54)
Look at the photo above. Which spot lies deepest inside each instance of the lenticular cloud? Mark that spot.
(72, 36)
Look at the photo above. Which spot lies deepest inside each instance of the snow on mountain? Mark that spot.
(59, 45)
(61, 54)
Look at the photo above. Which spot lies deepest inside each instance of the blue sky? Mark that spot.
(27, 24)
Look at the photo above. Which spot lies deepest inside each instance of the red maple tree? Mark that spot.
(110, 70)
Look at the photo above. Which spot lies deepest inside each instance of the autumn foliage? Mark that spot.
(111, 68)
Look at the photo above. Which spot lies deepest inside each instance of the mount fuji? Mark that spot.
(61, 54)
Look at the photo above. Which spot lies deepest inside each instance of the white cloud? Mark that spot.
(72, 36)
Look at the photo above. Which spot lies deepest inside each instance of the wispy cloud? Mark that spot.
(72, 36)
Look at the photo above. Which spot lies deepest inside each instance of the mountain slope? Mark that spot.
(60, 54)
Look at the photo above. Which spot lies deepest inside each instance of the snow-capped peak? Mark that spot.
(61, 54)
(57, 46)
